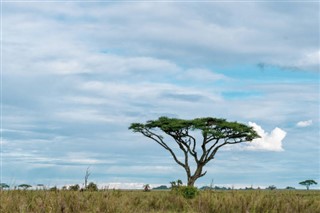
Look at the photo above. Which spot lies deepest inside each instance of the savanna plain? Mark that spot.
(238, 201)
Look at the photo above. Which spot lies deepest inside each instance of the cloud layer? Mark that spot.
(269, 141)
(75, 75)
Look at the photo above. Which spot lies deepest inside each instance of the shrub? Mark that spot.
(146, 188)
(188, 192)
(74, 187)
(92, 187)
(272, 187)
(53, 189)
(290, 187)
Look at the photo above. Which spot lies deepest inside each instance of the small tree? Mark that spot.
(92, 187)
(216, 133)
(272, 187)
(176, 184)
(74, 187)
(290, 188)
(173, 184)
(4, 186)
(40, 186)
(179, 182)
(24, 186)
(146, 187)
(54, 189)
(307, 183)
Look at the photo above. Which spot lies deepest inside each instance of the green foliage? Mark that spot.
(40, 186)
(272, 187)
(24, 186)
(54, 189)
(92, 187)
(216, 127)
(176, 184)
(173, 184)
(307, 183)
(75, 187)
(146, 188)
(4, 186)
(188, 192)
(216, 133)
(290, 188)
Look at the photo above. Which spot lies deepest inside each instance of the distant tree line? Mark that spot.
(174, 185)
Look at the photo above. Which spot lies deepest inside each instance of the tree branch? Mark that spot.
(159, 140)
(183, 144)
(203, 174)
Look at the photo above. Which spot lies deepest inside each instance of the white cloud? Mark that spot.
(310, 59)
(307, 60)
(3, 142)
(203, 75)
(83, 115)
(304, 123)
(268, 141)
(157, 32)
(85, 100)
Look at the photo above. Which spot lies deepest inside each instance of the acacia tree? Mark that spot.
(307, 183)
(4, 186)
(24, 186)
(215, 132)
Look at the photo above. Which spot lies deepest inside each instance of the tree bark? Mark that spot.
(197, 174)
(191, 181)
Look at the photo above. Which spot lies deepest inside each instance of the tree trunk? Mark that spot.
(192, 180)
(197, 174)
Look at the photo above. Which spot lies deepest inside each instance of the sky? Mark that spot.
(76, 74)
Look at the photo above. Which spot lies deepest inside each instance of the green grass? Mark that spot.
(280, 201)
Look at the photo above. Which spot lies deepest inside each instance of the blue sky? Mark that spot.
(76, 74)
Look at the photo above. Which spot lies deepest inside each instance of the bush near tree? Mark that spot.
(92, 187)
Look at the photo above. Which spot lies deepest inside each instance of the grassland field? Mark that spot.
(126, 201)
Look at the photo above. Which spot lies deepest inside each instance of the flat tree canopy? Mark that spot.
(25, 186)
(307, 183)
(216, 132)
(4, 185)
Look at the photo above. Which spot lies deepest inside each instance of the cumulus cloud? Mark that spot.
(203, 75)
(304, 123)
(268, 141)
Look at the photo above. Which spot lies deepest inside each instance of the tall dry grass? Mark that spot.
(280, 201)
